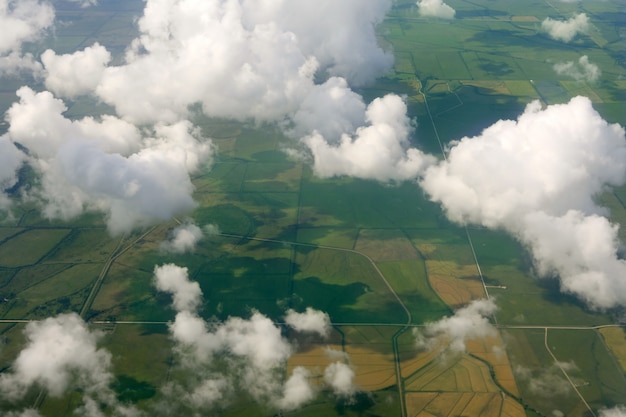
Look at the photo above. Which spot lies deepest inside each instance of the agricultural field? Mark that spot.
(381, 259)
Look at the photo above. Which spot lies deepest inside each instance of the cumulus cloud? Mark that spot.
(547, 382)
(173, 279)
(25, 413)
(583, 70)
(538, 176)
(237, 58)
(85, 3)
(21, 21)
(467, 323)
(331, 109)
(136, 177)
(435, 8)
(565, 31)
(184, 238)
(297, 390)
(311, 320)
(247, 355)
(380, 150)
(74, 74)
(61, 353)
(618, 411)
(340, 378)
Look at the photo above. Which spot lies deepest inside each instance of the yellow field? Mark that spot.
(496, 87)
(423, 358)
(521, 88)
(373, 363)
(492, 350)
(460, 373)
(450, 281)
(524, 19)
(615, 339)
(385, 245)
(428, 404)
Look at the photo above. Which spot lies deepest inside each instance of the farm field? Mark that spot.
(380, 259)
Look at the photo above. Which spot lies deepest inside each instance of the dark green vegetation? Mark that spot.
(290, 240)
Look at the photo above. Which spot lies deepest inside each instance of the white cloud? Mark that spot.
(21, 21)
(311, 320)
(537, 176)
(85, 3)
(184, 238)
(617, 411)
(61, 353)
(25, 413)
(340, 378)
(380, 150)
(240, 58)
(565, 31)
(106, 165)
(297, 390)
(547, 382)
(467, 323)
(435, 8)
(16, 62)
(174, 279)
(581, 71)
(252, 352)
(331, 109)
(70, 75)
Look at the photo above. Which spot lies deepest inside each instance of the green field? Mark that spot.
(356, 249)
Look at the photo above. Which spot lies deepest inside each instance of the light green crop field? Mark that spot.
(362, 251)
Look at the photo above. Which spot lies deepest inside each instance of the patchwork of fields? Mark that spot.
(381, 259)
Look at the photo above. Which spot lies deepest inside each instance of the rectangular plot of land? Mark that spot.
(404, 63)
(28, 247)
(453, 66)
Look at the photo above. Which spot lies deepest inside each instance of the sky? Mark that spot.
(535, 177)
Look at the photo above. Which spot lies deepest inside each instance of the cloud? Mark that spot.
(340, 378)
(311, 320)
(184, 238)
(237, 58)
(74, 74)
(136, 177)
(581, 71)
(467, 323)
(565, 31)
(21, 21)
(547, 382)
(61, 353)
(25, 413)
(85, 3)
(538, 176)
(244, 355)
(297, 390)
(173, 279)
(617, 411)
(435, 8)
(378, 151)
(331, 109)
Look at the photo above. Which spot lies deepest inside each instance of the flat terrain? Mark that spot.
(380, 259)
